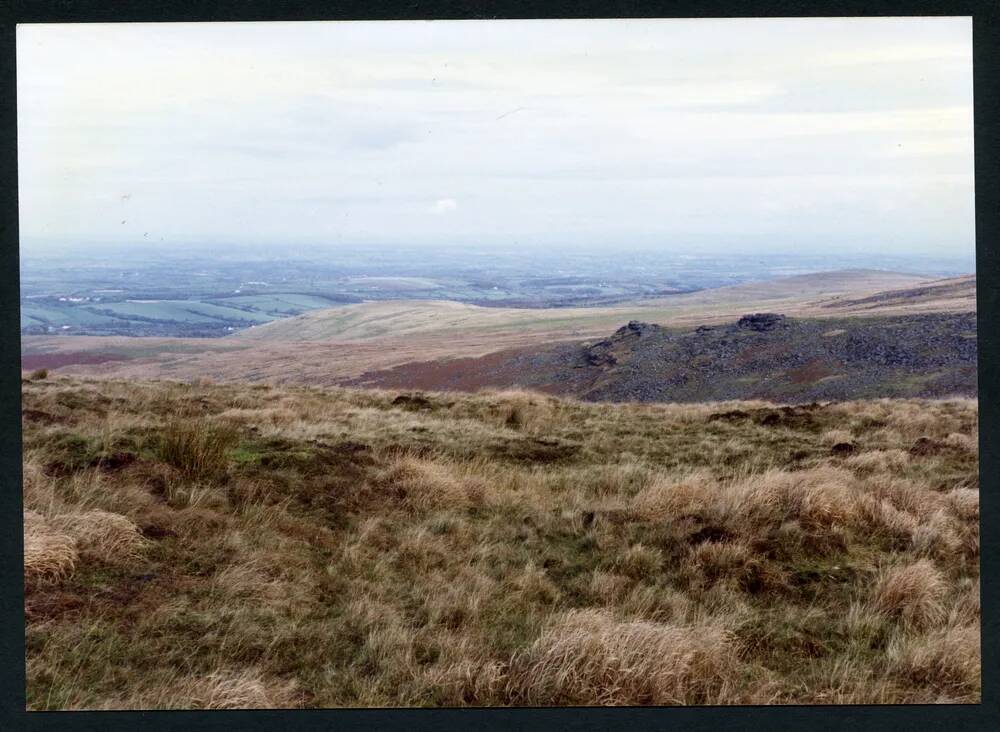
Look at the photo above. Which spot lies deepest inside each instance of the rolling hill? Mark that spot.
(953, 294)
(339, 345)
(757, 357)
(421, 318)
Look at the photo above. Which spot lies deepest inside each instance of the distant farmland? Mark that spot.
(340, 344)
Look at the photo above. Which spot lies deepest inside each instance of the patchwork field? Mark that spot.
(218, 546)
(206, 317)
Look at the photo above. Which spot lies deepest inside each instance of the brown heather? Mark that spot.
(223, 546)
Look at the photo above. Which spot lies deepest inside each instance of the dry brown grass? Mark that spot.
(107, 537)
(246, 688)
(524, 410)
(914, 592)
(587, 657)
(49, 554)
(53, 545)
(948, 657)
(342, 548)
(737, 562)
(240, 690)
(879, 461)
(969, 443)
(39, 491)
(666, 498)
(421, 484)
(964, 502)
(819, 497)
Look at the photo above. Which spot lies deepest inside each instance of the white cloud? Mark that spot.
(443, 206)
(680, 133)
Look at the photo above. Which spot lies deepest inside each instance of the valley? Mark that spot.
(424, 344)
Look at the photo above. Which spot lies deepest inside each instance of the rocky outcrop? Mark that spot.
(760, 356)
(638, 328)
(761, 322)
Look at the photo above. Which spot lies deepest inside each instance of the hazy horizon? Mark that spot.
(712, 137)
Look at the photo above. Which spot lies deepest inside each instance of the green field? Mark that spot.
(33, 314)
(180, 311)
(279, 304)
(218, 315)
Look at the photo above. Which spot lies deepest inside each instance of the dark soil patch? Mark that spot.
(37, 416)
(343, 448)
(534, 450)
(155, 531)
(710, 533)
(158, 486)
(616, 516)
(58, 469)
(797, 417)
(761, 322)
(771, 419)
(46, 604)
(926, 446)
(413, 402)
(115, 461)
(349, 456)
(733, 415)
(500, 369)
(810, 372)
(133, 597)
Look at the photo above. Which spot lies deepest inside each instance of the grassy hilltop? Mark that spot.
(239, 546)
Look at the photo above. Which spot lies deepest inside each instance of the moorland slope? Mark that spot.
(225, 546)
(798, 294)
(763, 356)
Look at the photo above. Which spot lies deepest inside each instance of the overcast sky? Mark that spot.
(688, 135)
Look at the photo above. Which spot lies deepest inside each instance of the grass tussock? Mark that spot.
(53, 545)
(221, 546)
(197, 448)
(587, 657)
(49, 554)
(947, 657)
(105, 536)
(914, 592)
(421, 484)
